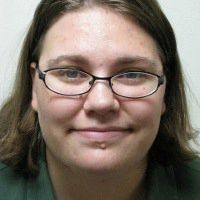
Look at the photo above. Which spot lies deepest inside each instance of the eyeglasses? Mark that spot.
(73, 82)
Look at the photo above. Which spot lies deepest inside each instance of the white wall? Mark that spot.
(15, 17)
(183, 14)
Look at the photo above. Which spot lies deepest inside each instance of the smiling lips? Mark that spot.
(102, 134)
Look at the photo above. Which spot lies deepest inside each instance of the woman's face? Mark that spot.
(98, 131)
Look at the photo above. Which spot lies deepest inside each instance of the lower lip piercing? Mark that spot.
(103, 146)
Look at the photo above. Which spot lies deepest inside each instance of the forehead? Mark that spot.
(100, 34)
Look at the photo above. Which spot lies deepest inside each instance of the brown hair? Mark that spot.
(19, 128)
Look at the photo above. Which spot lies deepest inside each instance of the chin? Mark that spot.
(100, 161)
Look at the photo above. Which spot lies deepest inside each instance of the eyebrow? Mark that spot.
(78, 59)
(136, 60)
(120, 61)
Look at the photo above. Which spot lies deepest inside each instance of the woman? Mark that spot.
(99, 109)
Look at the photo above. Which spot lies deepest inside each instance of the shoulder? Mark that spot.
(17, 187)
(7, 174)
(193, 165)
(180, 181)
(12, 186)
(188, 179)
(188, 170)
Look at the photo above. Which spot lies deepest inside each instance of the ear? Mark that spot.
(34, 102)
(163, 107)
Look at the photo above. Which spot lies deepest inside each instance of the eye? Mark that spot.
(68, 73)
(68, 76)
(130, 75)
(132, 78)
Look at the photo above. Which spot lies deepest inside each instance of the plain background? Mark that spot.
(184, 16)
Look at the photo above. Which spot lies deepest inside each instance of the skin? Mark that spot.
(80, 154)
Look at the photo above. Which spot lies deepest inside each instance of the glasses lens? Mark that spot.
(68, 81)
(135, 84)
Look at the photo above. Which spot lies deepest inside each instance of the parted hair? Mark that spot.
(20, 135)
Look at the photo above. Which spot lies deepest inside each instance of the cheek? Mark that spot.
(146, 113)
(55, 116)
(56, 110)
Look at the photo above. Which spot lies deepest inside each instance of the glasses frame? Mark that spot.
(42, 76)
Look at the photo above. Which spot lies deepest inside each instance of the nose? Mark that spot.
(101, 100)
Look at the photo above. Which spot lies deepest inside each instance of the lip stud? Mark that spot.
(103, 146)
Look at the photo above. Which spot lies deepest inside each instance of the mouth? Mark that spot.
(102, 134)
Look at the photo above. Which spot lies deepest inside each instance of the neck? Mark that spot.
(74, 184)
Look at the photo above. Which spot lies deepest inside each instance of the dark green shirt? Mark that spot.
(163, 183)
